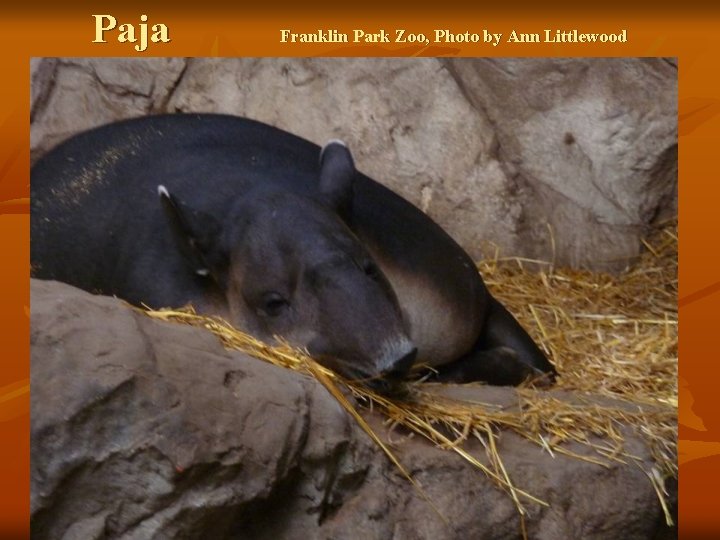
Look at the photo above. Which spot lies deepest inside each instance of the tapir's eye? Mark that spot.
(371, 270)
(273, 304)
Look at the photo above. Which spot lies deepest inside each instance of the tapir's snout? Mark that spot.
(400, 368)
(390, 381)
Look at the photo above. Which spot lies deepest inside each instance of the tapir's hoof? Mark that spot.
(542, 380)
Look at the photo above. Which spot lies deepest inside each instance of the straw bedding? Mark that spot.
(613, 339)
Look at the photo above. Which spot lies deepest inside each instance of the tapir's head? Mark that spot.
(289, 266)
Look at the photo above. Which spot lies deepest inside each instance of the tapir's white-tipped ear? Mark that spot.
(196, 235)
(330, 143)
(337, 172)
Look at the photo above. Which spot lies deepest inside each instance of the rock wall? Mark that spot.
(564, 160)
(142, 429)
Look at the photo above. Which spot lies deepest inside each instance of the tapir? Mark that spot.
(279, 237)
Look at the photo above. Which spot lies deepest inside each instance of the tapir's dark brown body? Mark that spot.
(247, 221)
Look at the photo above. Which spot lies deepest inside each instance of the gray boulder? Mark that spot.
(145, 429)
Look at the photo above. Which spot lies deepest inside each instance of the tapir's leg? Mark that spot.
(502, 330)
(504, 355)
(499, 366)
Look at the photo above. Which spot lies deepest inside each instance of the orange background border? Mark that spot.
(689, 33)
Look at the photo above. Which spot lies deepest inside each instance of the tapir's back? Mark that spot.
(206, 156)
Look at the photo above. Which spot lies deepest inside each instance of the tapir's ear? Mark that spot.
(337, 171)
(196, 235)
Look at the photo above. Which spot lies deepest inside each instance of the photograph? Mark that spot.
(354, 297)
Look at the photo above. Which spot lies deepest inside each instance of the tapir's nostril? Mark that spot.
(400, 368)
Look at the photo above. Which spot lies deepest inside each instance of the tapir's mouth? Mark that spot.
(395, 388)
(387, 385)
(381, 384)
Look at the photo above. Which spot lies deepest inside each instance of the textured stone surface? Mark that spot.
(143, 429)
(567, 160)
(594, 141)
